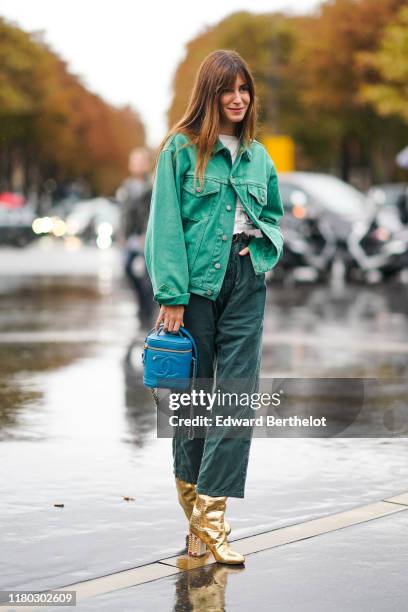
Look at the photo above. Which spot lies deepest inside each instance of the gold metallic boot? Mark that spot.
(187, 496)
(207, 529)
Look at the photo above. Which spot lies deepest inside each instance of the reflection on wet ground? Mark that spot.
(362, 332)
(77, 427)
(336, 571)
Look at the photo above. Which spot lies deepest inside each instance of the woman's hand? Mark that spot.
(171, 317)
(244, 251)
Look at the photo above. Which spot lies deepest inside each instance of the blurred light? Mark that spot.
(46, 224)
(298, 198)
(381, 233)
(72, 243)
(299, 212)
(104, 229)
(42, 225)
(104, 235)
(59, 227)
(103, 241)
(36, 225)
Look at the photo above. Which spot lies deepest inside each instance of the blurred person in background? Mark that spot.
(134, 196)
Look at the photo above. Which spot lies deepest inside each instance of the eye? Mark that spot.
(242, 87)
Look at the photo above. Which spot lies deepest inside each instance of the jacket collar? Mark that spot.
(246, 151)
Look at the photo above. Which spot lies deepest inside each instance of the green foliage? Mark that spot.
(310, 79)
(389, 94)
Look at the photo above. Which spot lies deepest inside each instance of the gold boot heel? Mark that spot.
(195, 548)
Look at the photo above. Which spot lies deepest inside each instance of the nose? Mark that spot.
(237, 98)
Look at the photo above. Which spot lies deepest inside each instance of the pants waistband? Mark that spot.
(241, 237)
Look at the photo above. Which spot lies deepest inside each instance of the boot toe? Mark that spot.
(227, 555)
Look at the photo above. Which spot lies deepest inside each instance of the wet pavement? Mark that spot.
(332, 572)
(77, 428)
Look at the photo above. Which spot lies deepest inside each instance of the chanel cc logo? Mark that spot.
(168, 366)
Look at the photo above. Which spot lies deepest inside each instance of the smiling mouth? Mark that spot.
(237, 109)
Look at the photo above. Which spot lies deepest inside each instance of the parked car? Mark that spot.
(93, 221)
(96, 220)
(11, 200)
(16, 225)
(324, 216)
(64, 207)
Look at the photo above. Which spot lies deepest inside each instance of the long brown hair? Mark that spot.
(201, 120)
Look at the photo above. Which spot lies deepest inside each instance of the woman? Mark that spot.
(213, 232)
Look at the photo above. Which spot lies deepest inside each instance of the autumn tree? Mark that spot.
(388, 91)
(309, 75)
(266, 42)
(341, 130)
(52, 126)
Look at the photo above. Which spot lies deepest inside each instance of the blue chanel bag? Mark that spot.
(169, 359)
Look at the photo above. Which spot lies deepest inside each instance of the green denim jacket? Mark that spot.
(189, 231)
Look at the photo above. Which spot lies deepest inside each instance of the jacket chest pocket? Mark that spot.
(198, 203)
(257, 198)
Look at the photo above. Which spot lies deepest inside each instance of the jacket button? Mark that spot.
(262, 197)
(217, 265)
(228, 207)
(209, 292)
(225, 237)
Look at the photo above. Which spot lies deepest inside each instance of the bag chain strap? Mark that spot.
(156, 399)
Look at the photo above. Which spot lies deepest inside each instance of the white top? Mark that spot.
(242, 223)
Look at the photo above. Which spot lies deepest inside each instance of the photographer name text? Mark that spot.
(259, 421)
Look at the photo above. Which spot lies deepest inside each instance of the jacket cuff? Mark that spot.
(172, 300)
(264, 254)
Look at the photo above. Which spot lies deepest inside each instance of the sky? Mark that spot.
(127, 51)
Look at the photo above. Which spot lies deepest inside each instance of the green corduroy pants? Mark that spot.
(228, 334)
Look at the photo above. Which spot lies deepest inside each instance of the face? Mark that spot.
(139, 163)
(234, 103)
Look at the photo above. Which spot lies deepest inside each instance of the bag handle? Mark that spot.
(182, 331)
